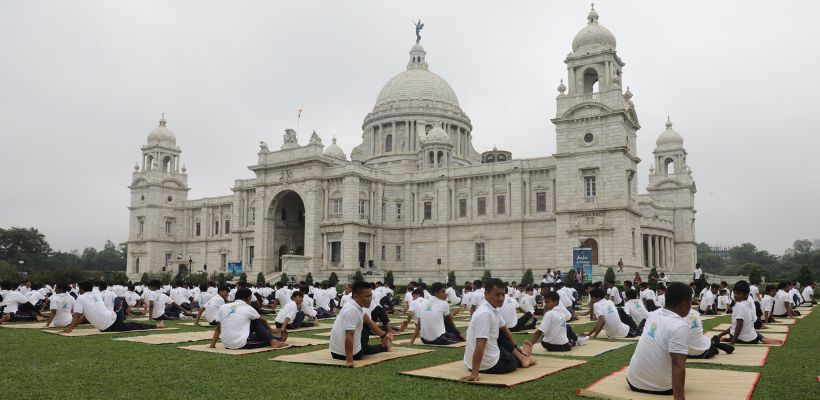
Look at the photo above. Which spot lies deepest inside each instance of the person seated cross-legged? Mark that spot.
(701, 346)
(783, 302)
(348, 342)
(808, 294)
(490, 348)
(527, 305)
(91, 307)
(708, 302)
(558, 335)
(434, 321)
(658, 365)
(241, 327)
(292, 315)
(61, 305)
(743, 318)
(17, 305)
(210, 309)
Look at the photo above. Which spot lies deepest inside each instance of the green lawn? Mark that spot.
(38, 365)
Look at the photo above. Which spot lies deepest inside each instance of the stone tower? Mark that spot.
(596, 157)
(671, 184)
(159, 187)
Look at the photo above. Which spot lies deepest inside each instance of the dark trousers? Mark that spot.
(709, 353)
(367, 348)
(556, 347)
(321, 313)
(451, 330)
(525, 322)
(379, 316)
(443, 340)
(634, 389)
(120, 325)
(258, 336)
(298, 322)
(650, 305)
(626, 319)
(506, 361)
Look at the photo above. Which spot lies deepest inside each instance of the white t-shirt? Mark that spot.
(202, 298)
(283, 295)
(92, 307)
(160, 300)
(651, 364)
(12, 300)
(61, 305)
(808, 292)
(431, 318)
(745, 311)
(484, 324)
(661, 301)
(289, 310)
(528, 303)
(108, 298)
(796, 293)
(235, 323)
(131, 298)
(780, 300)
(34, 297)
(212, 308)
(754, 292)
(408, 296)
(708, 300)
(648, 294)
(508, 312)
(612, 321)
(723, 302)
(415, 308)
(452, 296)
(767, 304)
(614, 295)
(698, 273)
(554, 328)
(351, 318)
(322, 299)
(565, 298)
(698, 343)
(635, 309)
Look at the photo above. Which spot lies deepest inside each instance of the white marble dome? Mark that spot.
(335, 151)
(669, 139)
(437, 135)
(161, 134)
(416, 84)
(593, 37)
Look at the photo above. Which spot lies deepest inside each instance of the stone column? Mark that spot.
(656, 246)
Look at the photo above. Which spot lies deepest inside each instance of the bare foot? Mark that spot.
(277, 344)
(527, 348)
(527, 362)
(161, 324)
(284, 335)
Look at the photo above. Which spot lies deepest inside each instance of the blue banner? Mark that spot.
(235, 268)
(582, 263)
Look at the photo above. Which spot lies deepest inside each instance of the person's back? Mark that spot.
(91, 305)
(650, 368)
(235, 322)
(780, 300)
(636, 310)
(508, 311)
(808, 294)
(746, 312)
(698, 342)
(612, 322)
(212, 308)
(431, 318)
(62, 305)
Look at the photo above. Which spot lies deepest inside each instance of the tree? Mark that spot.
(284, 279)
(388, 278)
(358, 277)
(333, 279)
(26, 244)
(451, 277)
(8, 272)
(754, 275)
(243, 277)
(486, 277)
(527, 279)
(652, 280)
(260, 279)
(609, 276)
(145, 278)
(802, 246)
(569, 278)
(309, 278)
(805, 276)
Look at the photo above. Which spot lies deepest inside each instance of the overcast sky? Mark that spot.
(82, 83)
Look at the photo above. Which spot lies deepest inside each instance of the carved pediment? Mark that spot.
(427, 197)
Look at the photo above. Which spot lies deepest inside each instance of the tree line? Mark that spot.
(800, 262)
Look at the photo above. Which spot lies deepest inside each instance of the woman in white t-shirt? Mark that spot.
(743, 319)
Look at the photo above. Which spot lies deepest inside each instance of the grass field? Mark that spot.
(37, 365)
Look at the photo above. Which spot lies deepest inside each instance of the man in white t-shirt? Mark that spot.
(348, 337)
(797, 298)
(107, 295)
(558, 336)
(490, 348)
(322, 297)
(767, 304)
(527, 305)
(202, 298)
(17, 305)
(241, 327)
(647, 297)
(660, 300)
(613, 294)
(408, 296)
(743, 319)
(698, 272)
(210, 309)
(783, 302)
(808, 294)
(159, 304)
(293, 314)
(90, 306)
(434, 321)
(61, 305)
(609, 317)
(636, 310)
(658, 365)
(452, 296)
(707, 302)
(701, 346)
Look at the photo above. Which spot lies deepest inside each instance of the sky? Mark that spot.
(82, 83)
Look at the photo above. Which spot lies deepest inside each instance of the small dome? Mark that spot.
(437, 135)
(162, 134)
(335, 151)
(593, 37)
(669, 139)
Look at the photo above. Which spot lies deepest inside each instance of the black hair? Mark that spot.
(155, 283)
(223, 288)
(203, 288)
(769, 288)
(86, 286)
(597, 293)
(495, 283)
(242, 293)
(644, 285)
(678, 293)
(102, 285)
(661, 287)
(552, 296)
(131, 287)
(782, 285)
(296, 294)
(715, 286)
(418, 292)
(628, 283)
(436, 287)
(742, 287)
(62, 286)
(360, 286)
(477, 284)
(587, 285)
(631, 294)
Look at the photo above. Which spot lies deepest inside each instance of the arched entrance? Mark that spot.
(286, 217)
(592, 244)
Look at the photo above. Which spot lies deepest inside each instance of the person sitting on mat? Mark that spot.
(783, 302)
(322, 297)
(707, 302)
(210, 309)
(724, 301)
(490, 348)
(767, 304)
(348, 337)
(793, 292)
(527, 305)
(658, 365)
(159, 304)
(17, 306)
(636, 310)
(660, 300)
(647, 297)
(90, 306)
(808, 294)
(701, 346)
(743, 318)
(558, 335)
(292, 315)
(613, 294)
(434, 321)
(241, 327)
(61, 305)
(615, 320)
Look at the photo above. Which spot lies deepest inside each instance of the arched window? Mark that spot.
(432, 158)
(149, 163)
(670, 166)
(590, 81)
(440, 158)
(167, 163)
(284, 214)
(490, 158)
(501, 157)
(388, 143)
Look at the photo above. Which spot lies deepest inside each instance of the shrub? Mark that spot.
(260, 279)
(358, 277)
(451, 277)
(527, 279)
(609, 276)
(333, 279)
(388, 278)
(653, 278)
(487, 276)
(309, 278)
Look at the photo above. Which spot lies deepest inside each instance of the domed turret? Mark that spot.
(594, 37)
(437, 135)
(669, 139)
(162, 135)
(335, 151)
